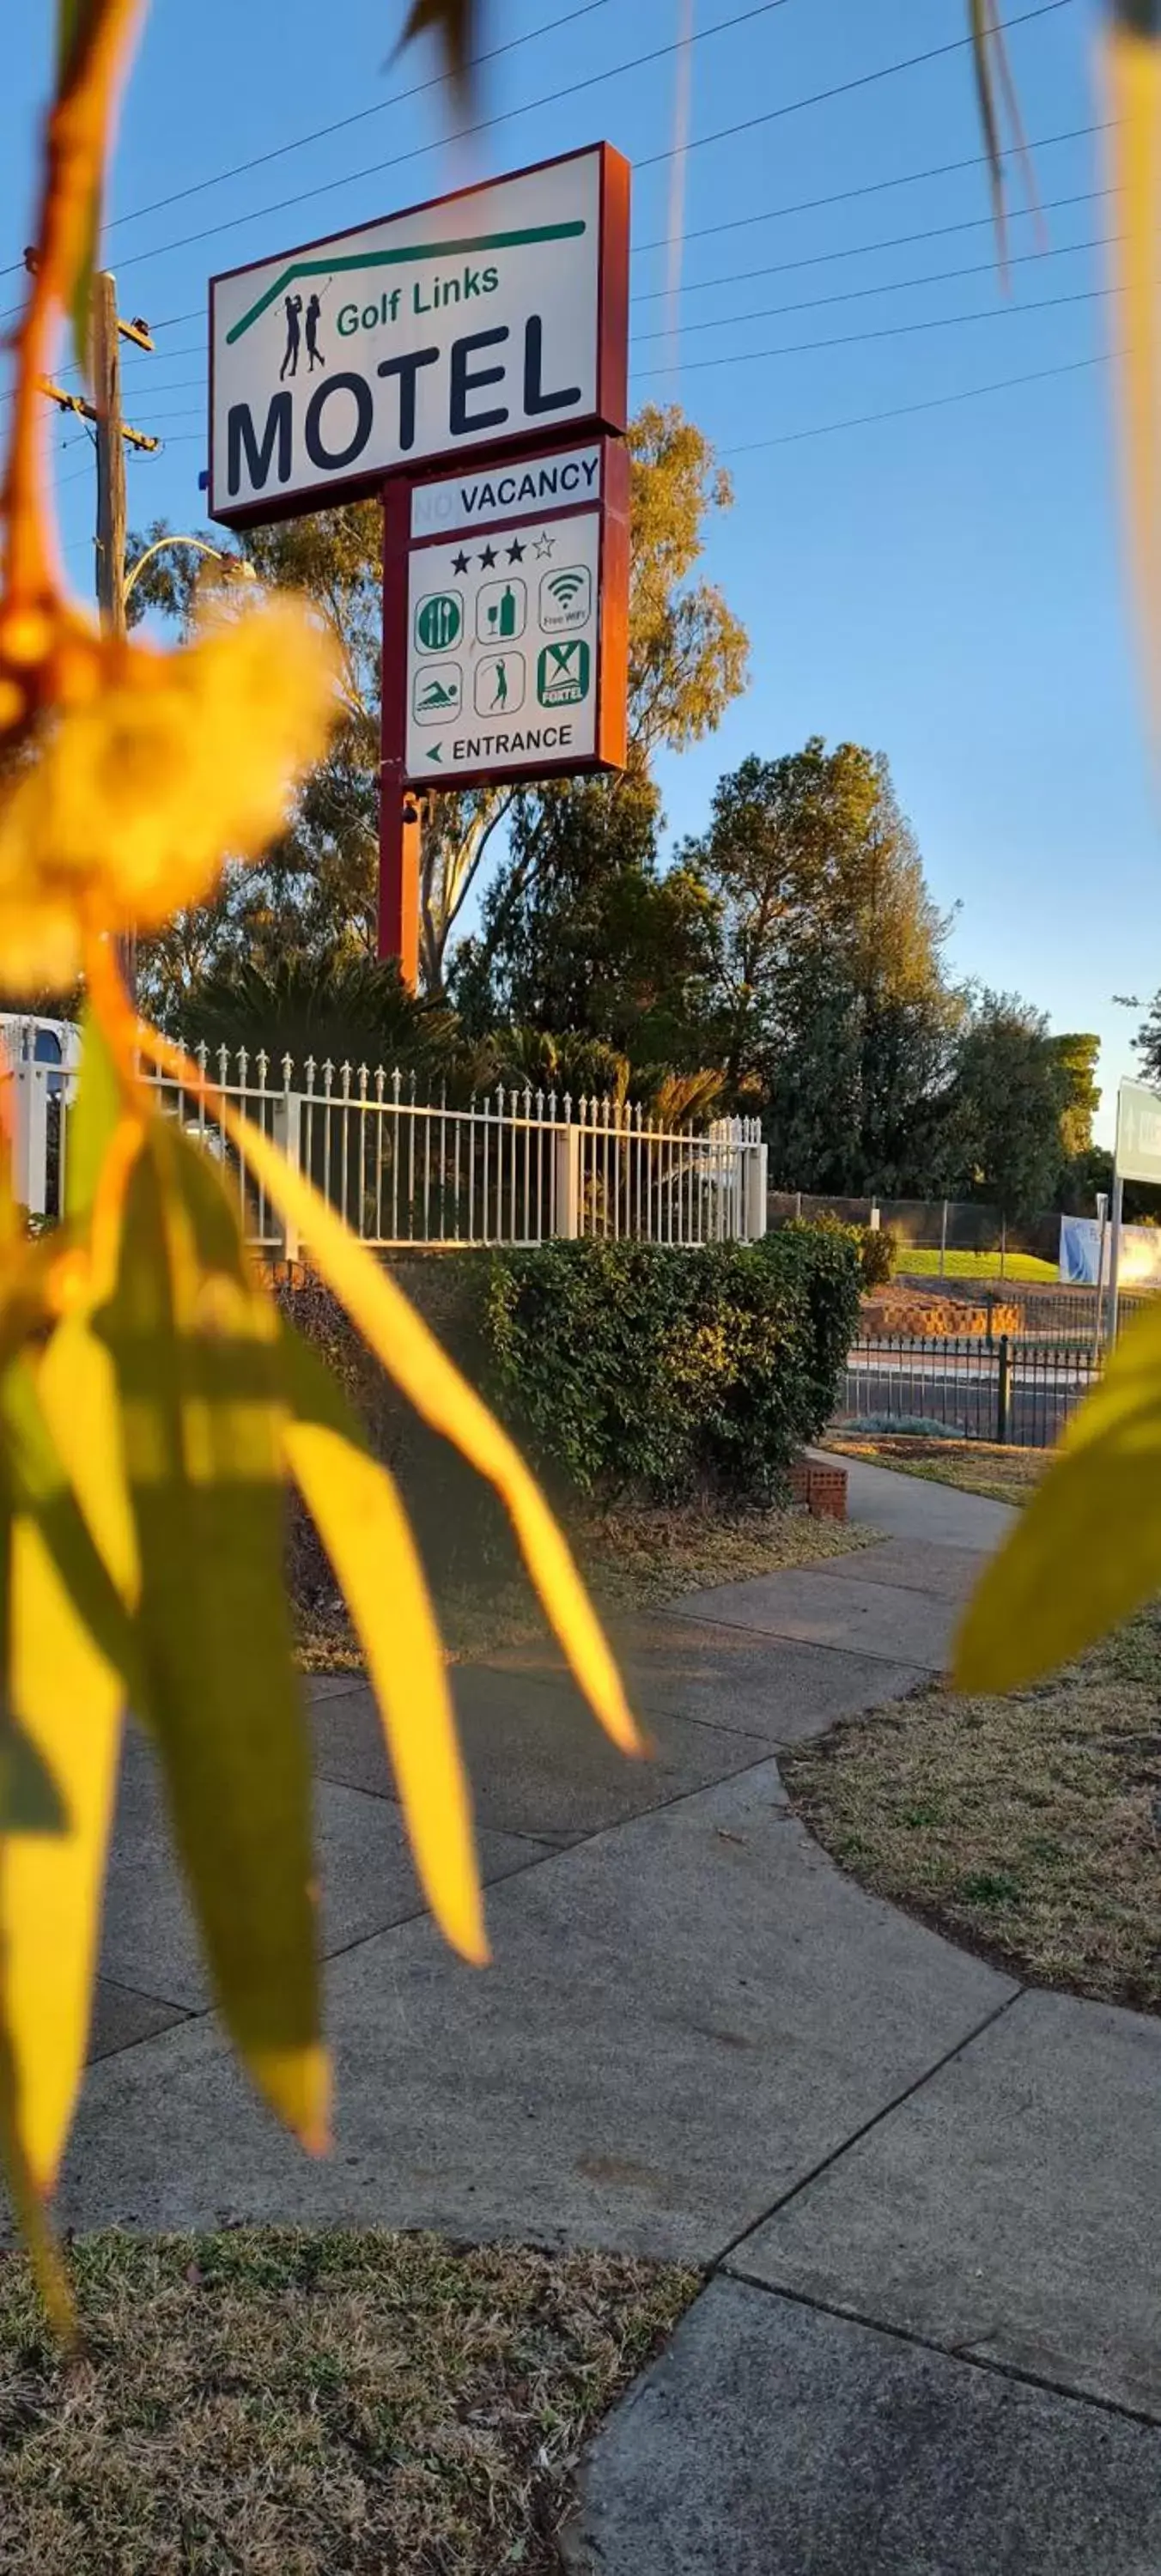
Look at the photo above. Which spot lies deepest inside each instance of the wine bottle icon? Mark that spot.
(502, 613)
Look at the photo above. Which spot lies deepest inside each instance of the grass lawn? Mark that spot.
(975, 1466)
(1025, 1826)
(632, 1559)
(916, 1264)
(287, 2403)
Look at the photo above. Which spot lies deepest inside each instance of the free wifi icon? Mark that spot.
(565, 598)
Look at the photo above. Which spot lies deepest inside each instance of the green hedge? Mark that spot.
(634, 1366)
(620, 1368)
(877, 1247)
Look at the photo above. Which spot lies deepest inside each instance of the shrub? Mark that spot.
(878, 1253)
(620, 1367)
(877, 1247)
(640, 1367)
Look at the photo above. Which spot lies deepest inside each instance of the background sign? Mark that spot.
(1138, 1148)
(1081, 1255)
(487, 317)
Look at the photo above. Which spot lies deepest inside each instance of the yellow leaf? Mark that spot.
(27, 2202)
(93, 1120)
(68, 1699)
(414, 1358)
(136, 792)
(1087, 1548)
(192, 1345)
(96, 1575)
(359, 1516)
(77, 1388)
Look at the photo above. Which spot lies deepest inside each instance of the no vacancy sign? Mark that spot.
(481, 320)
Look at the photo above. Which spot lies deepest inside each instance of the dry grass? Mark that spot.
(632, 1558)
(1028, 1826)
(272, 2402)
(974, 1466)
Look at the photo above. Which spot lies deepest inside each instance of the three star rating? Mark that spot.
(541, 546)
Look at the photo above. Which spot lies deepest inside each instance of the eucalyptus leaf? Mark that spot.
(193, 1344)
(30, 1797)
(92, 1120)
(40, 1488)
(74, 21)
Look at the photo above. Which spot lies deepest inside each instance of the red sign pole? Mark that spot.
(400, 824)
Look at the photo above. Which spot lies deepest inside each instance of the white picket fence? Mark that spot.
(519, 1166)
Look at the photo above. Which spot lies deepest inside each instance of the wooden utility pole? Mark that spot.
(111, 502)
(111, 437)
(105, 365)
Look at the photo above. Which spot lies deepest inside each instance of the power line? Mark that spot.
(810, 205)
(483, 125)
(819, 303)
(890, 331)
(278, 151)
(936, 402)
(876, 187)
(399, 98)
(862, 250)
(895, 286)
(180, 385)
(843, 89)
(778, 268)
(186, 411)
(789, 107)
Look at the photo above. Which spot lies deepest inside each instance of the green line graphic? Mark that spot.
(396, 258)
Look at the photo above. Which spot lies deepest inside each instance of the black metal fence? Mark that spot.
(1008, 1391)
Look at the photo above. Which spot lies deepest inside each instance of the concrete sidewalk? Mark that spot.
(928, 2197)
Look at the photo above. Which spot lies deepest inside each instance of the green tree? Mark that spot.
(1077, 1054)
(687, 661)
(337, 1007)
(831, 999)
(1011, 1092)
(592, 939)
(1148, 1043)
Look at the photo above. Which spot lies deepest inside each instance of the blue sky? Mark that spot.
(942, 584)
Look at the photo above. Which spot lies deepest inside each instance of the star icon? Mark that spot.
(515, 551)
(487, 558)
(544, 543)
(460, 563)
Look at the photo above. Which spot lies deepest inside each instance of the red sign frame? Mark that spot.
(612, 384)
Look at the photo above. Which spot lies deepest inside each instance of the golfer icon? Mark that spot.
(293, 309)
(500, 700)
(313, 351)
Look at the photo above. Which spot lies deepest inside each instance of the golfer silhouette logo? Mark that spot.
(293, 309)
(313, 316)
(501, 687)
